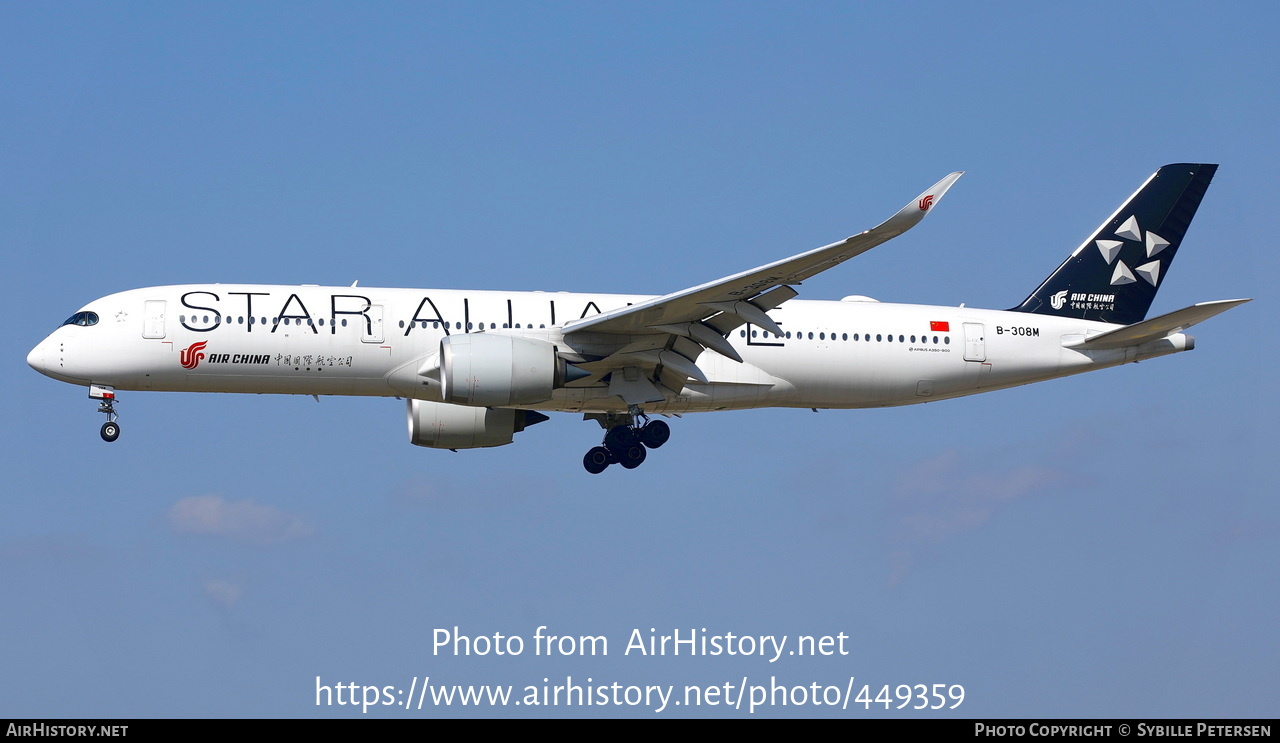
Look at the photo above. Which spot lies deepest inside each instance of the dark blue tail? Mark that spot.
(1114, 275)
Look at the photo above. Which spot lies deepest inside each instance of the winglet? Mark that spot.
(911, 214)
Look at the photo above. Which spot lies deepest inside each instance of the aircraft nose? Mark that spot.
(36, 359)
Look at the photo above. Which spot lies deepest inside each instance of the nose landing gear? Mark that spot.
(107, 396)
(625, 443)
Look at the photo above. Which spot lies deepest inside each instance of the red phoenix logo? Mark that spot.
(191, 355)
(926, 202)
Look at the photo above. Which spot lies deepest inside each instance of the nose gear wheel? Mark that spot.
(106, 397)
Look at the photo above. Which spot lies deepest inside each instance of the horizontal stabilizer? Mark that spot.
(1158, 327)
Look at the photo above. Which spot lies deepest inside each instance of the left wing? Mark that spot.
(656, 342)
(732, 293)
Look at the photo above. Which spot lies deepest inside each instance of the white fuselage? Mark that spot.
(370, 341)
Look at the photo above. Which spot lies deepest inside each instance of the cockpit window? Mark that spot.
(82, 318)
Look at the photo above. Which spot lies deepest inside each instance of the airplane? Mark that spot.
(477, 367)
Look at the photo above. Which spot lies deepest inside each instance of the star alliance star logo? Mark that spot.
(1153, 244)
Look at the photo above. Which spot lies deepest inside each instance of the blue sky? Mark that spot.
(1104, 545)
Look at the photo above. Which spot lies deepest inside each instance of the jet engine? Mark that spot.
(494, 369)
(443, 426)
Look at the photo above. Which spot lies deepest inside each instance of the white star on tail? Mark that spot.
(1122, 275)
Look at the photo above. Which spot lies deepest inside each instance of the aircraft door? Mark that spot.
(975, 342)
(153, 319)
(372, 331)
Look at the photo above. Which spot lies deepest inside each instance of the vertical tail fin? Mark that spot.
(1113, 276)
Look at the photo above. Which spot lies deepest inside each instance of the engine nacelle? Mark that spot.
(495, 369)
(443, 426)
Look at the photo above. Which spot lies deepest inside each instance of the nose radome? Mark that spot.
(35, 359)
(44, 358)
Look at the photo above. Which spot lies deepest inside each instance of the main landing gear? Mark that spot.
(107, 396)
(627, 444)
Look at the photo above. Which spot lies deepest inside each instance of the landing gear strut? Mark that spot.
(110, 430)
(626, 443)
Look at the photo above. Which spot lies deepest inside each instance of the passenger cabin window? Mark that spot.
(82, 318)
